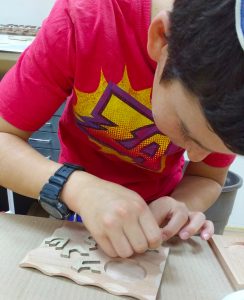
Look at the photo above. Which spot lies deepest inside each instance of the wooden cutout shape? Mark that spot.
(230, 252)
(71, 252)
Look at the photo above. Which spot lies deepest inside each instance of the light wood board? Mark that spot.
(192, 270)
(230, 252)
(71, 252)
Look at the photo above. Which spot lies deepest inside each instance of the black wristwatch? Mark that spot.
(50, 194)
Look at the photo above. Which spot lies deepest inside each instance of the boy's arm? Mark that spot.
(118, 218)
(198, 190)
(23, 169)
(200, 186)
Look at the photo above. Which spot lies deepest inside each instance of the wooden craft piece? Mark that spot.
(230, 252)
(71, 252)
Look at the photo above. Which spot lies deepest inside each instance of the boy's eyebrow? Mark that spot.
(187, 132)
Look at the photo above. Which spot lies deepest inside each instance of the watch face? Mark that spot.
(51, 210)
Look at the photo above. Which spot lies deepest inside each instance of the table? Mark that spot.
(192, 271)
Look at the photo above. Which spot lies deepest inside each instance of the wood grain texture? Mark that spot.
(72, 253)
(230, 252)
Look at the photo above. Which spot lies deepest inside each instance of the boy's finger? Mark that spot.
(136, 237)
(106, 246)
(195, 223)
(174, 225)
(120, 242)
(151, 229)
(207, 230)
(160, 210)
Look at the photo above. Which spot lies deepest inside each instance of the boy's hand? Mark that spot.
(117, 218)
(175, 218)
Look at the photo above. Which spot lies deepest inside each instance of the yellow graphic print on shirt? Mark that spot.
(119, 120)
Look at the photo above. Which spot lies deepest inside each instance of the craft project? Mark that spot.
(71, 252)
(230, 251)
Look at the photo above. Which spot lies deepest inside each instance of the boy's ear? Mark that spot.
(157, 33)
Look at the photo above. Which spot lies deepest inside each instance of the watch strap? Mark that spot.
(50, 192)
(56, 182)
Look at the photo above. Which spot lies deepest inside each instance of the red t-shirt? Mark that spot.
(94, 53)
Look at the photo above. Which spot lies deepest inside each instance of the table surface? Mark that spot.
(192, 271)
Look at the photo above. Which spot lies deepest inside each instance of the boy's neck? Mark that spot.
(158, 5)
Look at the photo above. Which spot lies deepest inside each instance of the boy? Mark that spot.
(95, 53)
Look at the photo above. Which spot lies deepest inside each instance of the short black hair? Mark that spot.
(205, 55)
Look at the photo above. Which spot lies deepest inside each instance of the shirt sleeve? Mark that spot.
(43, 76)
(219, 160)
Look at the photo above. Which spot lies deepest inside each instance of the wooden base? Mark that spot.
(230, 252)
(71, 252)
